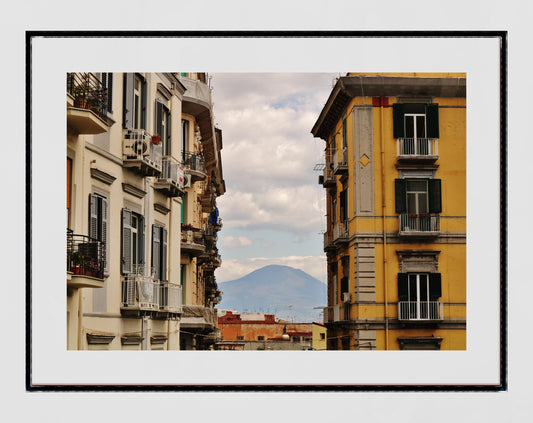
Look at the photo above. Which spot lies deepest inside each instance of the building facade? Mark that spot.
(395, 180)
(128, 174)
(258, 331)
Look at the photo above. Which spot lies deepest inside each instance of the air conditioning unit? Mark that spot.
(186, 181)
(138, 142)
(346, 297)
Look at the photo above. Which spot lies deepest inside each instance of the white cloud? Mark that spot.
(236, 242)
(234, 268)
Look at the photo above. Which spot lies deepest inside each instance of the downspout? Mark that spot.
(383, 209)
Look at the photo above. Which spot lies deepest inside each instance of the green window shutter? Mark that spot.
(182, 210)
(126, 242)
(156, 251)
(128, 109)
(432, 120)
(435, 196)
(402, 287)
(435, 286)
(400, 196)
(398, 121)
(164, 250)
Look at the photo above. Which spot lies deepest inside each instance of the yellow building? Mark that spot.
(129, 172)
(319, 336)
(395, 180)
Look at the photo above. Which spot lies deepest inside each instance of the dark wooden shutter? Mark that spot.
(93, 216)
(403, 293)
(432, 120)
(140, 237)
(110, 92)
(143, 103)
(103, 237)
(344, 285)
(156, 251)
(158, 118)
(129, 86)
(168, 148)
(126, 242)
(342, 206)
(344, 140)
(398, 121)
(400, 195)
(164, 254)
(435, 196)
(435, 286)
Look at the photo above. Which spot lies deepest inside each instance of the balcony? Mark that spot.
(340, 232)
(140, 292)
(140, 154)
(194, 165)
(416, 311)
(329, 180)
(340, 162)
(87, 113)
(337, 313)
(328, 242)
(85, 261)
(207, 198)
(198, 319)
(419, 225)
(170, 181)
(170, 297)
(417, 149)
(192, 240)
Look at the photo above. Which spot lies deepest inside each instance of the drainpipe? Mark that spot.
(383, 209)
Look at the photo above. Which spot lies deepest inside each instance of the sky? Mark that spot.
(273, 211)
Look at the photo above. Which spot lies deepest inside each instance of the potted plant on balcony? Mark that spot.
(80, 97)
(156, 139)
(77, 263)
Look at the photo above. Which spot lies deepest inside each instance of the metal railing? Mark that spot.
(340, 160)
(170, 297)
(337, 313)
(195, 162)
(417, 147)
(138, 146)
(420, 310)
(422, 223)
(191, 235)
(340, 231)
(88, 92)
(139, 289)
(85, 255)
(171, 171)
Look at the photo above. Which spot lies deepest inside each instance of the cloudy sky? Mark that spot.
(273, 209)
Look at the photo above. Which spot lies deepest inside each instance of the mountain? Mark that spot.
(289, 293)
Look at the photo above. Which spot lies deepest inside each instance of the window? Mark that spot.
(240, 338)
(418, 201)
(162, 126)
(415, 120)
(107, 82)
(343, 203)
(98, 221)
(322, 336)
(260, 338)
(134, 101)
(184, 137)
(418, 294)
(159, 252)
(132, 241)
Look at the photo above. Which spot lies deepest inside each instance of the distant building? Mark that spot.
(319, 336)
(395, 180)
(258, 331)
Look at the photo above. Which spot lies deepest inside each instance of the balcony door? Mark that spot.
(418, 296)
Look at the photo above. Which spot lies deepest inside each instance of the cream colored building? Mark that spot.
(126, 185)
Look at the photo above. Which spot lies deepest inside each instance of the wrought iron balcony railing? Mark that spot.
(139, 290)
(194, 162)
(337, 313)
(85, 255)
(170, 297)
(88, 92)
(419, 224)
(340, 161)
(340, 231)
(420, 310)
(417, 148)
